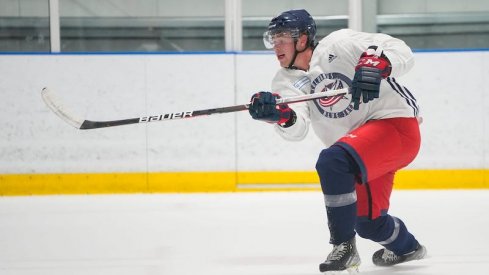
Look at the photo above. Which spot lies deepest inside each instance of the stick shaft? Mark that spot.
(73, 120)
(302, 98)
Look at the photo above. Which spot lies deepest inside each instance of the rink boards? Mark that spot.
(40, 154)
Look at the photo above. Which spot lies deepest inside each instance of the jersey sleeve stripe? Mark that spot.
(404, 93)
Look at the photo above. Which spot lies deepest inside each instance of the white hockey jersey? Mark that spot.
(332, 66)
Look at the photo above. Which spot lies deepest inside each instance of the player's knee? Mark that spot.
(325, 160)
(331, 160)
(336, 159)
(336, 170)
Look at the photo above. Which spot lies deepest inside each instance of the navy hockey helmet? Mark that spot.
(295, 22)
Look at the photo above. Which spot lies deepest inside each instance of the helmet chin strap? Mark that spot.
(296, 52)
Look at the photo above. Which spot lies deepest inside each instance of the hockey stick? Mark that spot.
(58, 108)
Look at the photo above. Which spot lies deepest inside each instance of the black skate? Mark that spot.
(384, 257)
(343, 257)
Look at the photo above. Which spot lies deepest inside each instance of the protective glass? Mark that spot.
(276, 38)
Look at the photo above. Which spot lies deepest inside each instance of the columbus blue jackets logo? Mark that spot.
(334, 106)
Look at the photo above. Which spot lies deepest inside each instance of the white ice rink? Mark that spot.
(224, 234)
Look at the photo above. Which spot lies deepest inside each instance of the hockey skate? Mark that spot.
(343, 257)
(384, 257)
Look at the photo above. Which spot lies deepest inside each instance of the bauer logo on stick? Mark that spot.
(166, 116)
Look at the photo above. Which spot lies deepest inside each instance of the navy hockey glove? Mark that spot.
(263, 107)
(370, 70)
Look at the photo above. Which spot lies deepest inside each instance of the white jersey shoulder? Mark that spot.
(332, 67)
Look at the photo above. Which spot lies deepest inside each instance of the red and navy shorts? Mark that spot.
(380, 148)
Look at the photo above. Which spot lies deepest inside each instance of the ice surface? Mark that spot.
(231, 233)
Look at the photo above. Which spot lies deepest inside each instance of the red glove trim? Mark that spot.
(380, 62)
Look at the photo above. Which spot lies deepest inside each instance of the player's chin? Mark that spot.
(283, 61)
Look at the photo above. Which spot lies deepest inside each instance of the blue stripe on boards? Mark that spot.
(121, 53)
(145, 53)
(450, 50)
(264, 52)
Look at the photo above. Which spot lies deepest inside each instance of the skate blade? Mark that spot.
(351, 270)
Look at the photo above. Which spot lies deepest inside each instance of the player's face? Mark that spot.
(284, 47)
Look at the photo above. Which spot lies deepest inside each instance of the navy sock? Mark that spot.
(388, 231)
(337, 171)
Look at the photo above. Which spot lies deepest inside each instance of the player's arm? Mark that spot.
(372, 67)
(385, 56)
(399, 55)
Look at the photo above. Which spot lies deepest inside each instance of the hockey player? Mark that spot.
(369, 134)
